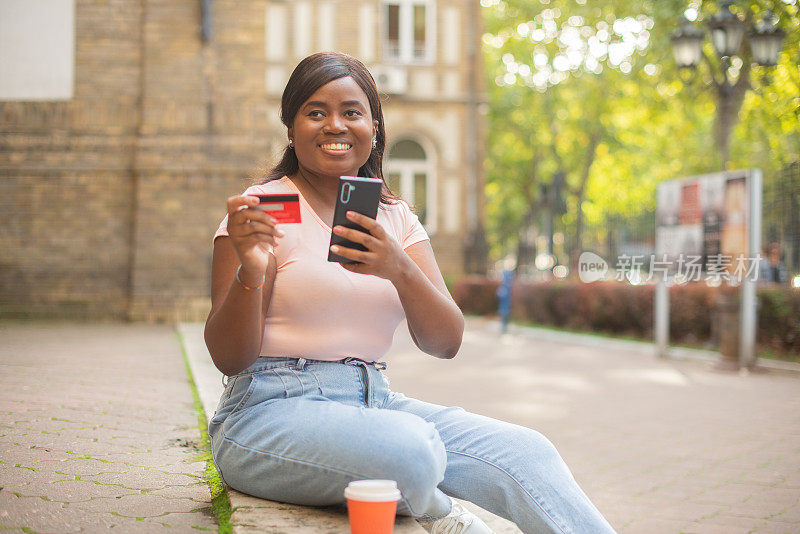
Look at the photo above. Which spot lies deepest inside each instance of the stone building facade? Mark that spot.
(125, 124)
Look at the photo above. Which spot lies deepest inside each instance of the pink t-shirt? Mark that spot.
(320, 310)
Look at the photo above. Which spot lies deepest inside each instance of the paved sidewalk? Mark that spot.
(98, 430)
(660, 446)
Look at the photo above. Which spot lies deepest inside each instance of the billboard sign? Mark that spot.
(702, 222)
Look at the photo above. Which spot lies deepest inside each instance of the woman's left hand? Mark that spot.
(383, 258)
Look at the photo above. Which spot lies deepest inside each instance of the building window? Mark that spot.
(409, 30)
(410, 173)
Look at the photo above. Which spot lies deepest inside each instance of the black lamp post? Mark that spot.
(727, 32)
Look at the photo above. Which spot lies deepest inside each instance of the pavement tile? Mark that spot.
(676, 491)
(775, 496)
(20, 476)
(140, 478)
(728, 519)
(132, 526)
(759, 509)
(10, 406)
(755, 511)
(74, 490)
(771, 527)
(655, 526)
(141, 505)
(198, 491)
(705, 527)
(762, 477)
(39, 424)
(37, 514)
(692, 511)
(78, 466)
(790, 515)
(726, 494)
(794, 526)
(58, 442)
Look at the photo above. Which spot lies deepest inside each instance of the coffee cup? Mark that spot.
(371, 506)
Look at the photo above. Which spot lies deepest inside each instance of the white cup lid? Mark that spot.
(372, 491)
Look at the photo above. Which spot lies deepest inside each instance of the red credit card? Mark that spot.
(285, 208)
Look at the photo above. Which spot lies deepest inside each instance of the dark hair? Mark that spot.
(312, 73)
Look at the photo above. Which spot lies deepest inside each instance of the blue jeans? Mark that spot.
(298, 431)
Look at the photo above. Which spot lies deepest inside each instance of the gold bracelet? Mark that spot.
(245, 286)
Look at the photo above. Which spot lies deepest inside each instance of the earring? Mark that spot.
(374, 142)
(291, 143)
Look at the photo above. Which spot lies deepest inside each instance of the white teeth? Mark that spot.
(336, 146)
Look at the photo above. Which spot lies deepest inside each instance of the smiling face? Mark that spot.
(332, 131)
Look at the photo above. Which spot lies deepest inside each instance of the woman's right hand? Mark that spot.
(250, 231)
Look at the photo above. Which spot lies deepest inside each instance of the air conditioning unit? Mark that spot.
(390, 80)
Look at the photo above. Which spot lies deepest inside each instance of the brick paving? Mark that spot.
(98, 430)
(93, 438)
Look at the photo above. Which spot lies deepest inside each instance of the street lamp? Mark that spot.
(766, 41)
(687, 44)
(727, 33)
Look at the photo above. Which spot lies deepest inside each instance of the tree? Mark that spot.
(591, 93)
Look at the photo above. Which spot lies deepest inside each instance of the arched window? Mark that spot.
(410, 173)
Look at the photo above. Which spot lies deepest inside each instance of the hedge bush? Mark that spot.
(623, 309)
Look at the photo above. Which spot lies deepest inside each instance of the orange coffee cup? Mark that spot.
(371, 506)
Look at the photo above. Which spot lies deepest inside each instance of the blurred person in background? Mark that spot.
(306, 409)
(771, 267)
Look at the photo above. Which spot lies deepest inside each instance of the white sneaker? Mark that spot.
(458, 521)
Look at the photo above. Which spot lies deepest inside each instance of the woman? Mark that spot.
(306, 409)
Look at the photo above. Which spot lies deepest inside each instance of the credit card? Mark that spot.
(285, 208)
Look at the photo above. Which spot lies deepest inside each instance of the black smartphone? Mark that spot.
(357, 194)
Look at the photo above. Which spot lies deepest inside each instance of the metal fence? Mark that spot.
(781, 215)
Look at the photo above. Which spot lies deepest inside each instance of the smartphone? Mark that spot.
(283, 207)
(357, 194)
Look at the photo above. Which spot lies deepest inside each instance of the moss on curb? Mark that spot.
(220, 503)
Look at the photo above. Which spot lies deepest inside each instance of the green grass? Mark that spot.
(220, 503)
(783, 356)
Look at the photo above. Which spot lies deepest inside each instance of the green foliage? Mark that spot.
(616, 123)
(779, 319)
